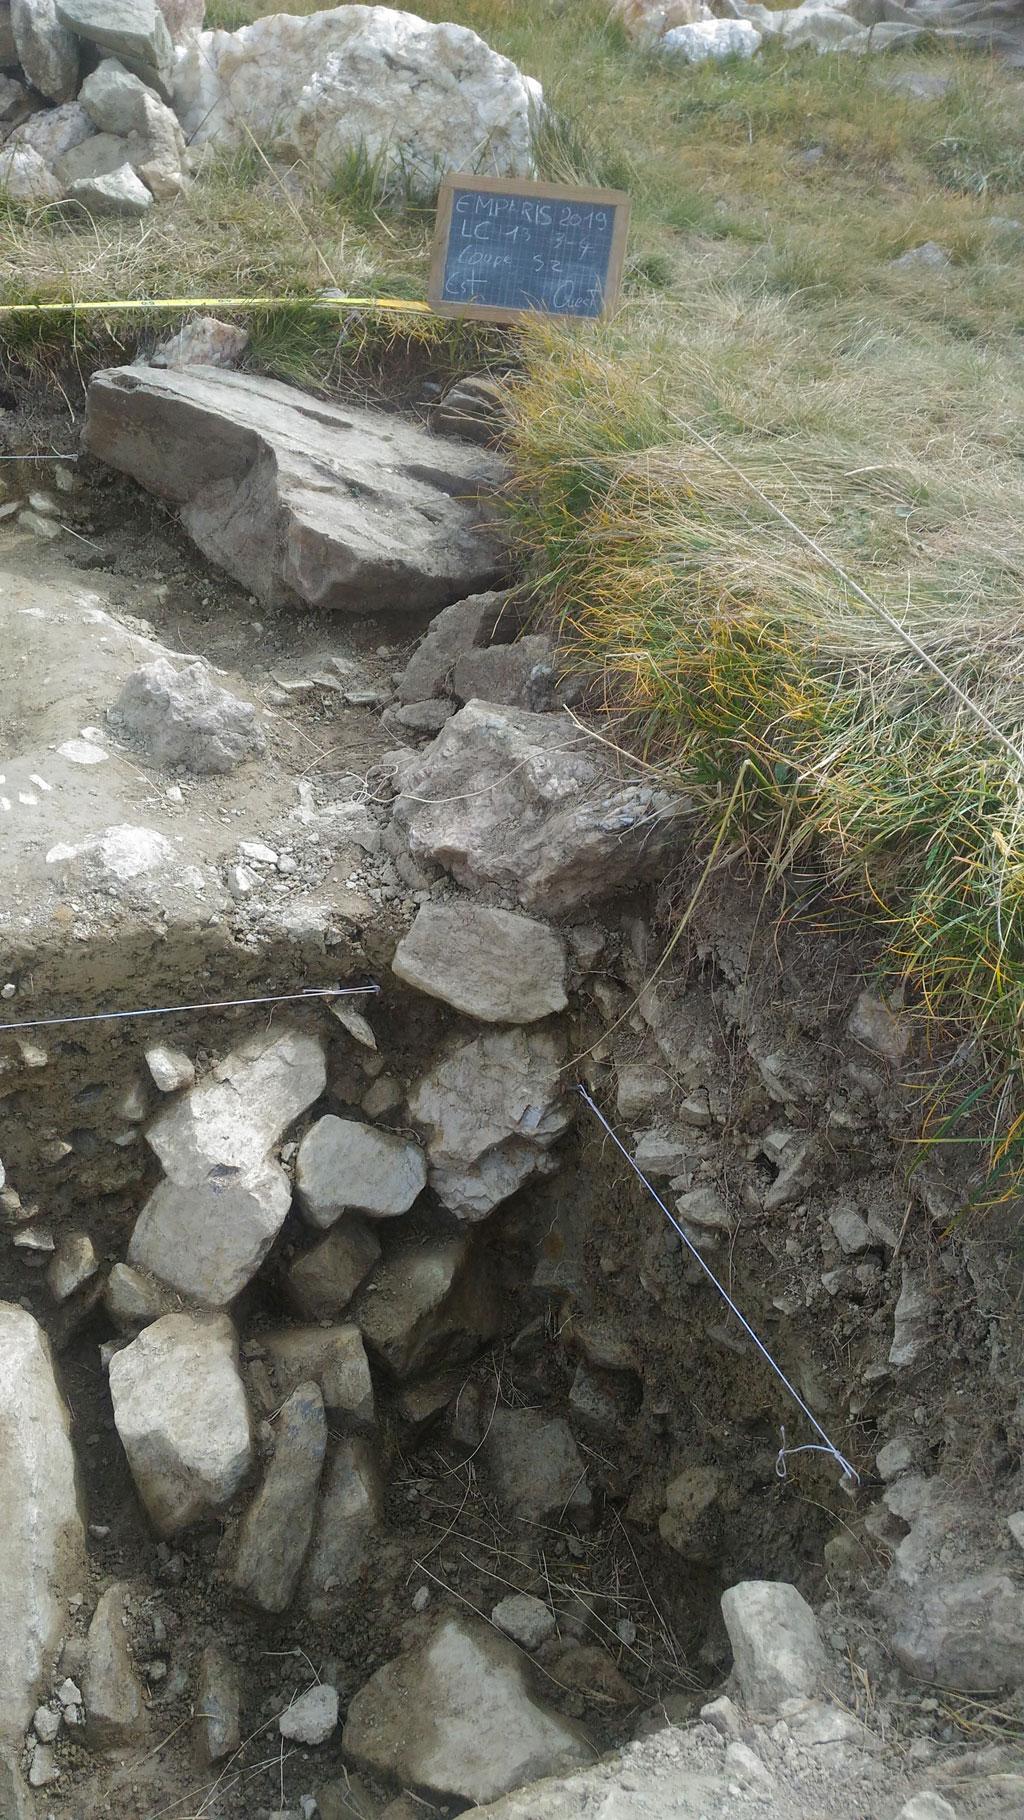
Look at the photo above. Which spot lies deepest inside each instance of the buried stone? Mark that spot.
(276, 1529)
(343, 1164)
(490, 964)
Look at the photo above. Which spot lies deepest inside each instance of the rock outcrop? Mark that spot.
(302, 501)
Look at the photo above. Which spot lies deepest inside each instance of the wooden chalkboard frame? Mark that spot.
(618, 200)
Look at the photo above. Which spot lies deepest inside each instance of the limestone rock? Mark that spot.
(927, 1806)
(429, 1302)
(335, 1359)
(490, 964)
(693, 1518)
(275, 1532)
(536, 1468)
(181, 1413)
(462, 627)
(47, 51)
(182, 717)
(491, 1108)
(114, 1711)
(312, 1717)
(642, 1087)
(207, 1227)
(96, 156)
(25, 178)
(322, 1282)
(528, 803)
(42, 1538)
(710, 40)
(457, 1718)
(777, 1649)
(518, 675)
(298, 499)
(133, 30)
(351, 1512)
(912, 1334)
(202, 342)
(53, 131)
(344, 1165)
(430, 97)
(528, 1621)
(878, 1027)
(114, 99)
(14, 96)
(8, 48)
(72, 1264)
(474, 406)
(133, 1299)
(217, 1727)
(953, 1604)
(929, 257)
(171, 1068)
(119, 192)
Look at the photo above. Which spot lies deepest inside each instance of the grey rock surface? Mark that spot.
(209, 1224)
(530, 804)
(344, 1165)
(335, 1359)
(275, 1531)
(528, 1621)
(181, 1413)
(298, 499)
(114, 1710)
(47, 51)
(426, 1303)
(912, 1329)
(116, 192)
(312, 1717)
(777, 1649)
(26, 177)
(464, 626)
(134, 30)
(350, 1514)
(322, 1281)
(182, 717)
(536, 1468)
(42, 1536)
(494, 965)
(73, 1263)
(491, 1109)
(953, 1604)
(458, 1718)
(217, 1721)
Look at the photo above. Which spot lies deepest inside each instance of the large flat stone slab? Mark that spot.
(42, 1538)
(300, 500)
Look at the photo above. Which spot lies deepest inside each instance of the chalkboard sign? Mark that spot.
(504, 248)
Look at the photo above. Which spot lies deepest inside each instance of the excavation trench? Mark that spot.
(576, 1322)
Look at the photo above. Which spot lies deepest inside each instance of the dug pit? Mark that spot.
(415, 1448)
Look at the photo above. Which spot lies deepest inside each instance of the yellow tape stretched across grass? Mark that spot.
(128, 304)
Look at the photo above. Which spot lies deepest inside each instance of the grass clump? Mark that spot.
(737, 655)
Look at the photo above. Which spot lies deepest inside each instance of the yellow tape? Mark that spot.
(128, 304)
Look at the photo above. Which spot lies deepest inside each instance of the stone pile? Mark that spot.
(692, 31)
(101, 105)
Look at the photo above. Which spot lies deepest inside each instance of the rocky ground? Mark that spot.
(371, 1443)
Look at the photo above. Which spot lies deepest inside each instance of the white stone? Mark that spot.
(208, 1226)
(42, 1538)
(350, 1513)
(911, 1322)
(316, 89)
(130, 29)
(54, 131)
(25, 178)
(181, 1413)
(46, 49)
(777, 1649)
(490, 964)
(73, 1263)
(171, 1068)
(312, 1717)
(82, 752)
(45, 1724)
(1015, 1525)
(929, 256)
(117, 855)
(118, 192)
(114, 99)
(343, 1164)
(711, 40)
(820, 27)
(927, 1806)
(457, 1718)
(491, 1109)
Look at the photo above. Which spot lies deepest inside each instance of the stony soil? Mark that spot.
(745, 1043)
